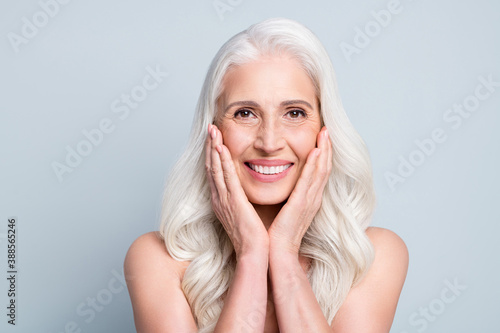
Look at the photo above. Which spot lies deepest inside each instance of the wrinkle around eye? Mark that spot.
(301, 114)
(300, 117)
(250, 119)
(240, 114)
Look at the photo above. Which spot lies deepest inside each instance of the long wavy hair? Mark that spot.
(336, 242)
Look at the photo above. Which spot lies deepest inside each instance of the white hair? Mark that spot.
(336, 242)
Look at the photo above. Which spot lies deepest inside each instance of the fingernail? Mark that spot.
(213, 133)
(218, 148)
(326, 133)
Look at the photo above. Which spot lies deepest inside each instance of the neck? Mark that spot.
(267, 213)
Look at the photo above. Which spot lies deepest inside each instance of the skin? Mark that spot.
(268, 111)
(278, 120)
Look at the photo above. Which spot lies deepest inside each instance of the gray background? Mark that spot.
(73, 234)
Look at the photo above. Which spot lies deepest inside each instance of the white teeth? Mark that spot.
(269, 170)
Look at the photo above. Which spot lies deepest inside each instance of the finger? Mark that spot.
(323, 166)
(315, 172)
(301, 202)
(208, 162)
(307, 176)
(208, 159)
(216, 164)
(330, 155)
(230, 176)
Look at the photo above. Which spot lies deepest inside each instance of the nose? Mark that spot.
(269, 138)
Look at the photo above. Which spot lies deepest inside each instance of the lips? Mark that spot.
(268, 170)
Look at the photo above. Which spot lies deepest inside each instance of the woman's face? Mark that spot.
(269, 118)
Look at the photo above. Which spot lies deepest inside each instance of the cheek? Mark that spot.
(236, 141)
(303, 141)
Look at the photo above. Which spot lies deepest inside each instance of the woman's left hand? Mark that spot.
(293, 220)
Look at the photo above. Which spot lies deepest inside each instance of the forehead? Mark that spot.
(268, 80)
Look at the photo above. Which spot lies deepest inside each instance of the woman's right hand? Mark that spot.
(229, 202)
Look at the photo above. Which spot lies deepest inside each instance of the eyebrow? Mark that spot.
(296, 101)
(256, 105)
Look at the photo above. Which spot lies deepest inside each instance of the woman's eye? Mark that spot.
(296, 114)
(243, 114)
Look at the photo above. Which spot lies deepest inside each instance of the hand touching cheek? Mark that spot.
(292, 222)
(234, 211)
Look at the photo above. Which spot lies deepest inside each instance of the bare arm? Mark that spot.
(245, 304)
(369, 307)
(297, 309)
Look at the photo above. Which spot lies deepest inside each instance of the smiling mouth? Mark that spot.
(268, 170)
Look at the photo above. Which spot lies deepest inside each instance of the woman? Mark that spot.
(265, 216)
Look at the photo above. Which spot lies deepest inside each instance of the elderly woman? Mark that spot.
(265, 216)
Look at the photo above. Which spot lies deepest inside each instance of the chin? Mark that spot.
(268, 202)
(265, 199)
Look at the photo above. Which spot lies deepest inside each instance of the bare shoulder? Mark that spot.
(149, 254)
(391, 258)
(371, 305)
(389, 244)
(150, 241)
(154, 282)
